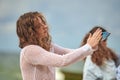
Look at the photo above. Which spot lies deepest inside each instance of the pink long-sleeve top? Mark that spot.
(38, 64)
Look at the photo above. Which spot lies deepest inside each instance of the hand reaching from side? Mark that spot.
(94, 39)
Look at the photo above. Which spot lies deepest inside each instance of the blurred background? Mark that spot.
(69, 21)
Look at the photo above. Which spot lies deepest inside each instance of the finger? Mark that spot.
(97, 33)
(90, 35)
(99, 38)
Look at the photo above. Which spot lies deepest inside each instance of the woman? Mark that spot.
(101, 64)
(39, 56)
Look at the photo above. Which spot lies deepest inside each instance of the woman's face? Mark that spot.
(43, 29)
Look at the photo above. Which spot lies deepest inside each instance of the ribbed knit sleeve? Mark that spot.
(61, 50)
(38, 56)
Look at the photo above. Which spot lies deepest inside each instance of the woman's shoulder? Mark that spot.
(109, 63)
(89, 64)
(30, 49)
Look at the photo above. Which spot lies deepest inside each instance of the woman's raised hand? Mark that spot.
(94, 39)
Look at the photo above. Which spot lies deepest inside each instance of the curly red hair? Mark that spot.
(27, 26)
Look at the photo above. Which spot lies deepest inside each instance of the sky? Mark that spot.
(69, 20)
